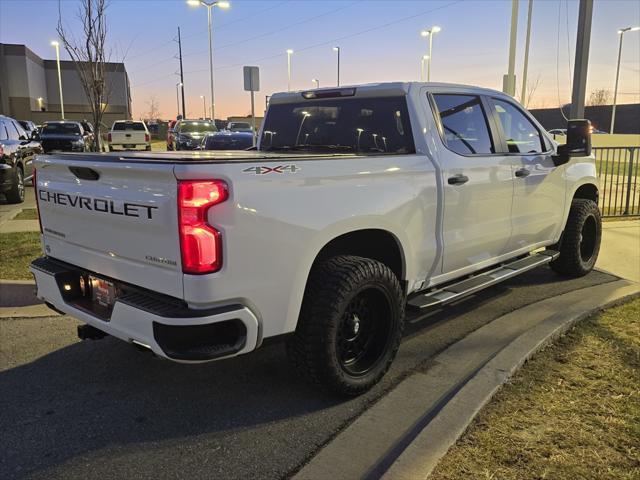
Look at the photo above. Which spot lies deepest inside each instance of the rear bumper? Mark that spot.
(162, 324)
(130, 146)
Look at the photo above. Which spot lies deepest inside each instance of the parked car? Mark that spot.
(29, 127)
(360, 209)
(226, 140)
(129, 135)
(558, 131)
(63, 136)
(88, 134)
(17, 151)
(239, 127)
(188, 134)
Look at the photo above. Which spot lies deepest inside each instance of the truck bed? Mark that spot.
(212, 157)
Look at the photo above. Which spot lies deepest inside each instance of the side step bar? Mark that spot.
(455, 291)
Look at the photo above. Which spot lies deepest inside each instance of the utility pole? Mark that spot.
(582, 59)
(523, 94)
(509, 80)
(181, 72)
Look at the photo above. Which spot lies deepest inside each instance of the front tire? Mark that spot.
(580, 243)
(16, 194)
(350, 325)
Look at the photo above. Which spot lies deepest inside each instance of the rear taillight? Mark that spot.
(35, 191)
(200, 243)
(146, 137)
(109, 137)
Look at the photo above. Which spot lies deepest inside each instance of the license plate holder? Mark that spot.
(103, 293)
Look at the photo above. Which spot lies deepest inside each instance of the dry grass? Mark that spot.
(18, 251)
(27, 214)
(572, 412)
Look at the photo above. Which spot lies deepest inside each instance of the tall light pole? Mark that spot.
(509, 80)
(422, 60)
(178, 85)
(523, 93)
(57, 46)
(337, 50)
(204, 106)
(430, 33)
(316, 81)
(210, 5)
(621, 32)
(289, 53)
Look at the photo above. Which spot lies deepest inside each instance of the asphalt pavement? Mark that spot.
(71, 409)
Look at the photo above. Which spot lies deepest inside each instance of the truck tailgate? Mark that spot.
(122, 224)
(128, 137)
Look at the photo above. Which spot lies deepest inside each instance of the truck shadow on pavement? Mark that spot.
(101, 409)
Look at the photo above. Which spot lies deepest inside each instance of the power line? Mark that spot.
(278, 30)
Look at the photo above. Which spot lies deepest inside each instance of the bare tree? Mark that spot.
(154, 108)
(601, 96)
(532, 86)
(90, 58)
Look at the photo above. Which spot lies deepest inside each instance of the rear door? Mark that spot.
(122, 224)
(539, 186)
(478, 183)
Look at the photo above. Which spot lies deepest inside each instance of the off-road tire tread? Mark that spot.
(329, 285)
(569, 263)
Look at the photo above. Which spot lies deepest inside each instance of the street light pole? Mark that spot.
(210, 6)
(422, 60)
(178, 85)
(337, 50)
(289, 53)
(621, 32)
(204, 106)
(429, 33)
(523, 93)
(57, 46)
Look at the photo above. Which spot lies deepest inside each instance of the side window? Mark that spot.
(521, 135)
(21, 133)
(464, 124)
(3, 131)
(11, 130)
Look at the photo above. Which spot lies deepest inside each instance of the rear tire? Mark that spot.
(16, 194)
(350, 325)
(580, 243)
(111, 148)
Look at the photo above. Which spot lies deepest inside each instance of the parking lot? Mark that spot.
(101, 409)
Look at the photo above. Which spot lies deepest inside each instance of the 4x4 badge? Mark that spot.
(263, 170)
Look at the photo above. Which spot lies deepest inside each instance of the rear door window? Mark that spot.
(520, 133)
(136, 126)
(4, 135)
(465, 129)
(376, 125)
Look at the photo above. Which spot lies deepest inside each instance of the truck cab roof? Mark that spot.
(382, 89)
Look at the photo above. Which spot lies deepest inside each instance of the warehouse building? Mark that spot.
(29, 88)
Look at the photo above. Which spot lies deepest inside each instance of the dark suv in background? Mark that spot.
(63, 136)
(188, 134)
(17, 151)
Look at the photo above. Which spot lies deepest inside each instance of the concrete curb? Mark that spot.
(32, 311)
(18, 293)
(406, 432)
(433, 442)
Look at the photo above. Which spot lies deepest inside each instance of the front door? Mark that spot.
(539, 186)
(478, 183)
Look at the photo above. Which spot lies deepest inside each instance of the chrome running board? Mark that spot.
(450, 293)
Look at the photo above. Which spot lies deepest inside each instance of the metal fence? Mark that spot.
(617, 169)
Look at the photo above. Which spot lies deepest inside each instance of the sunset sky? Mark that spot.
(380, 41)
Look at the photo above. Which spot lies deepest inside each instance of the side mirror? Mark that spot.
(578, 142)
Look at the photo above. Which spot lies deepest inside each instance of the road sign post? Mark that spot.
(252, 84)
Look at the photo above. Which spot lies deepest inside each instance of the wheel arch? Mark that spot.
(588, 191)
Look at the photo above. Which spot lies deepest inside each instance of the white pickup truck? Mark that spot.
(129, 135)
(361, 206)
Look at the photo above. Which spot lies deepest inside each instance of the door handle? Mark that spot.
(523, 172)
(458, 179)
